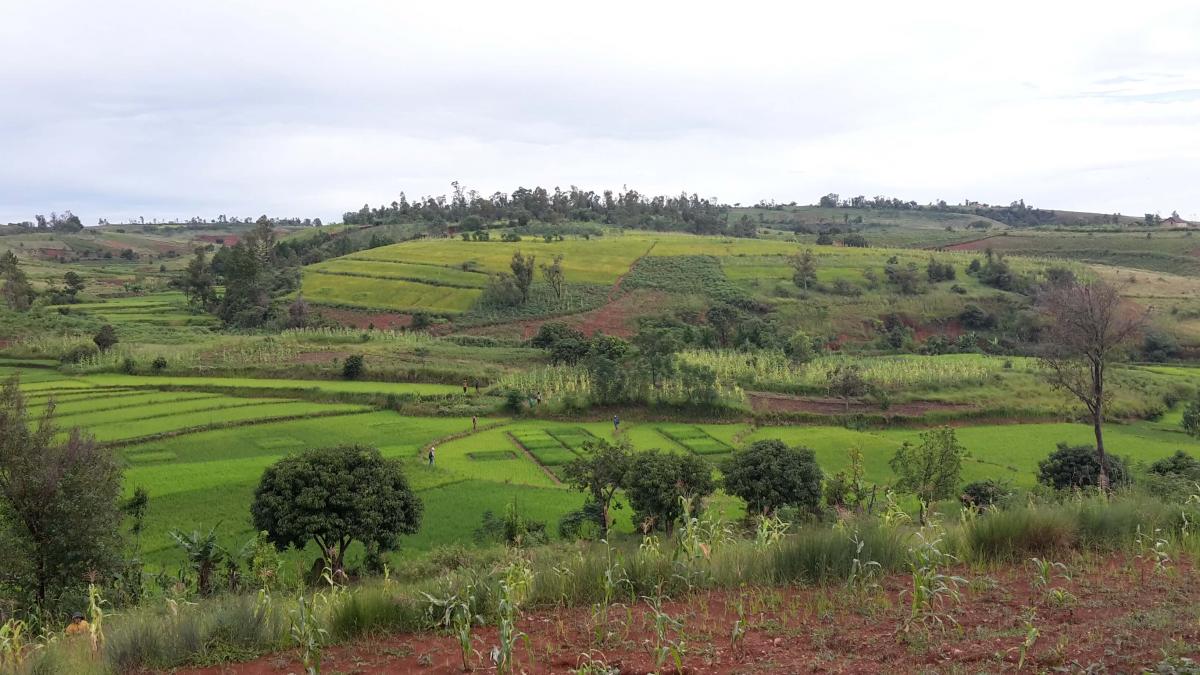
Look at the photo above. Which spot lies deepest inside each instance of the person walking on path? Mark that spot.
(474, 423)
(431, 449)
(616, 424)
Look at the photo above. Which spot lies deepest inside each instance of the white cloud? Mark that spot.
(311, 108)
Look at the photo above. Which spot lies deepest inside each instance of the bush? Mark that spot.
(159, 364)
(985, 493)
(1076, 466)
(353, 367)
(1179, 464)
(79, 353)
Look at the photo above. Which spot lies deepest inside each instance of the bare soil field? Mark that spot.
(1114, 614)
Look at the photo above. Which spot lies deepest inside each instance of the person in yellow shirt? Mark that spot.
(78, 625)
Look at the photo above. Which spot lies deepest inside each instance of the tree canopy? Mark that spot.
(59, 503)
(334, 496)
(768, 474)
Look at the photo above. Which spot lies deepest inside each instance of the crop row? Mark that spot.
(395, 294)
(544, 447)
(695, 439)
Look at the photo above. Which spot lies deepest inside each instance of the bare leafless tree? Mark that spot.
(1090, 328)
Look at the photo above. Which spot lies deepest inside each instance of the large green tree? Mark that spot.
(768, 474)
(59, 503)
(18, 293)
(656, 481)
(335, 496)
(599, 473)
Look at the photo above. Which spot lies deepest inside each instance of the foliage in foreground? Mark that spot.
(705, 554)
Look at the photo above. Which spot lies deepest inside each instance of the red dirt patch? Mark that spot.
(617, 317)
(770, 402)
(1120, 617)
(360, 319)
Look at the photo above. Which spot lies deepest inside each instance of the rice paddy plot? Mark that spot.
(434, 275)
(547, 449)
(695, 439)
(215, 417)
(390, 294)
(572, 437)
(330, 386)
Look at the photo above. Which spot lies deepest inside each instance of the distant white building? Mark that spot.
(1177, 223)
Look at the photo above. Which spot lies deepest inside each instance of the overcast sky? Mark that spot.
(292, 108)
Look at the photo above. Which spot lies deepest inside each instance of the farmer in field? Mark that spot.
(464, 387)
(616, 424)
(78, 625)
(474, 423)
(431, 449)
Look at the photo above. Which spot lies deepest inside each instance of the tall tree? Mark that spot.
(804, 269)
(1089, 328)
(18, 293)
(59, 502)
(197, 282)
(554, 277)
(522, 270)
(74, 284)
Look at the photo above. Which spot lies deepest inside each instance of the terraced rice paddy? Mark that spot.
(200, 454)
(157, 309)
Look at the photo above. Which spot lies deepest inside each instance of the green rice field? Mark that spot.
(200, 454)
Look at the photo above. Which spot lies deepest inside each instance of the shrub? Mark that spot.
(768, 474)
(79, 353)
(159, 364)
(513, 528)
(1179, 464)
(353, 367)
(985, 493)
(1077, 466)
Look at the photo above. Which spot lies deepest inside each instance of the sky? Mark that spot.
(159, 109)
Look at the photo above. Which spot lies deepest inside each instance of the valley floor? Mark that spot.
(1113, 614)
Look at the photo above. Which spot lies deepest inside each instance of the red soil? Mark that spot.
(361, 319)
(771, 402)
(1123, 617)
(617, 317)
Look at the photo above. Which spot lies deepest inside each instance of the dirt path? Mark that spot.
(1114, 614)
(546, 470)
